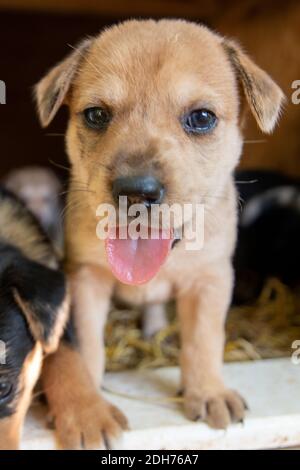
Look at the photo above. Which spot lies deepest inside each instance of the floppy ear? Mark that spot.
(52, 89)
(263, 95)
(42, 295)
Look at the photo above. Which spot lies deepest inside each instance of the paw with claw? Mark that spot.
(92, 423)
(218, 407)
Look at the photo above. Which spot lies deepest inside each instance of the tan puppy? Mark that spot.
(158, 100)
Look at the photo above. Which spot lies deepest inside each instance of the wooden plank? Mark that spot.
(271, 388)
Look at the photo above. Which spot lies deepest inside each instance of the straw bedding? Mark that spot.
(264, 329)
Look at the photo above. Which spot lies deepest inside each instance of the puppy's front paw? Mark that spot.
(218, 408)
(95, 424)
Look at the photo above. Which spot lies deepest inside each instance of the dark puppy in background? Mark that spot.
(269, 232)
(41, 191)
(33, 311)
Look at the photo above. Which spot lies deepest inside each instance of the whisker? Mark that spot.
(77, 182)
(66, 188)
(247, 182)
(241, 202)
(76, 190)
(68, 207)
(258, 141)
(59, 165)
(103, 165)
(84, 56)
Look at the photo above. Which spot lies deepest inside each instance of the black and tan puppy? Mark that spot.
(33, 311)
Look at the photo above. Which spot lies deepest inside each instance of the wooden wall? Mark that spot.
(32, 40)
(116, 8)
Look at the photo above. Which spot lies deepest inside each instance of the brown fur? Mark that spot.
(82, 418)
(148, 74)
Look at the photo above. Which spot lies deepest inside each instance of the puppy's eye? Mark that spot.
(5, 390)
(200, 121)
(97, 118)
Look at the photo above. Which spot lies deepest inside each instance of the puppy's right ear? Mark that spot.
(263, 95)
(52, 89)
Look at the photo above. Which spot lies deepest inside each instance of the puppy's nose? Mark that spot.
(145, 190)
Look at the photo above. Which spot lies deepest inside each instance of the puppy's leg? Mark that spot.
(9, 434)
(82, 418)
(91, 293)
(202, 311)
(154, 319)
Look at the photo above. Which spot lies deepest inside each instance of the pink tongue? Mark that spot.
(137, 261)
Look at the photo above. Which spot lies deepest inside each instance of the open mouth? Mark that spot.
(135, 261)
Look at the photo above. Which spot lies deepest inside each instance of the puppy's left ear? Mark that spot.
(51, 91)
(42, 295)
(263, 95)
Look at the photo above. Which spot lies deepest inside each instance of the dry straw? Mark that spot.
(264, 329)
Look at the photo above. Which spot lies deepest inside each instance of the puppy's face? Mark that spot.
(33, 312)
(157, 99)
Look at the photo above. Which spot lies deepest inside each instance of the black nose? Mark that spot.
(145, 190)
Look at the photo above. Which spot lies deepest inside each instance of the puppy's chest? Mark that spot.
(156, 291)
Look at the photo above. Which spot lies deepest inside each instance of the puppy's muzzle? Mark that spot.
(145, 190)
